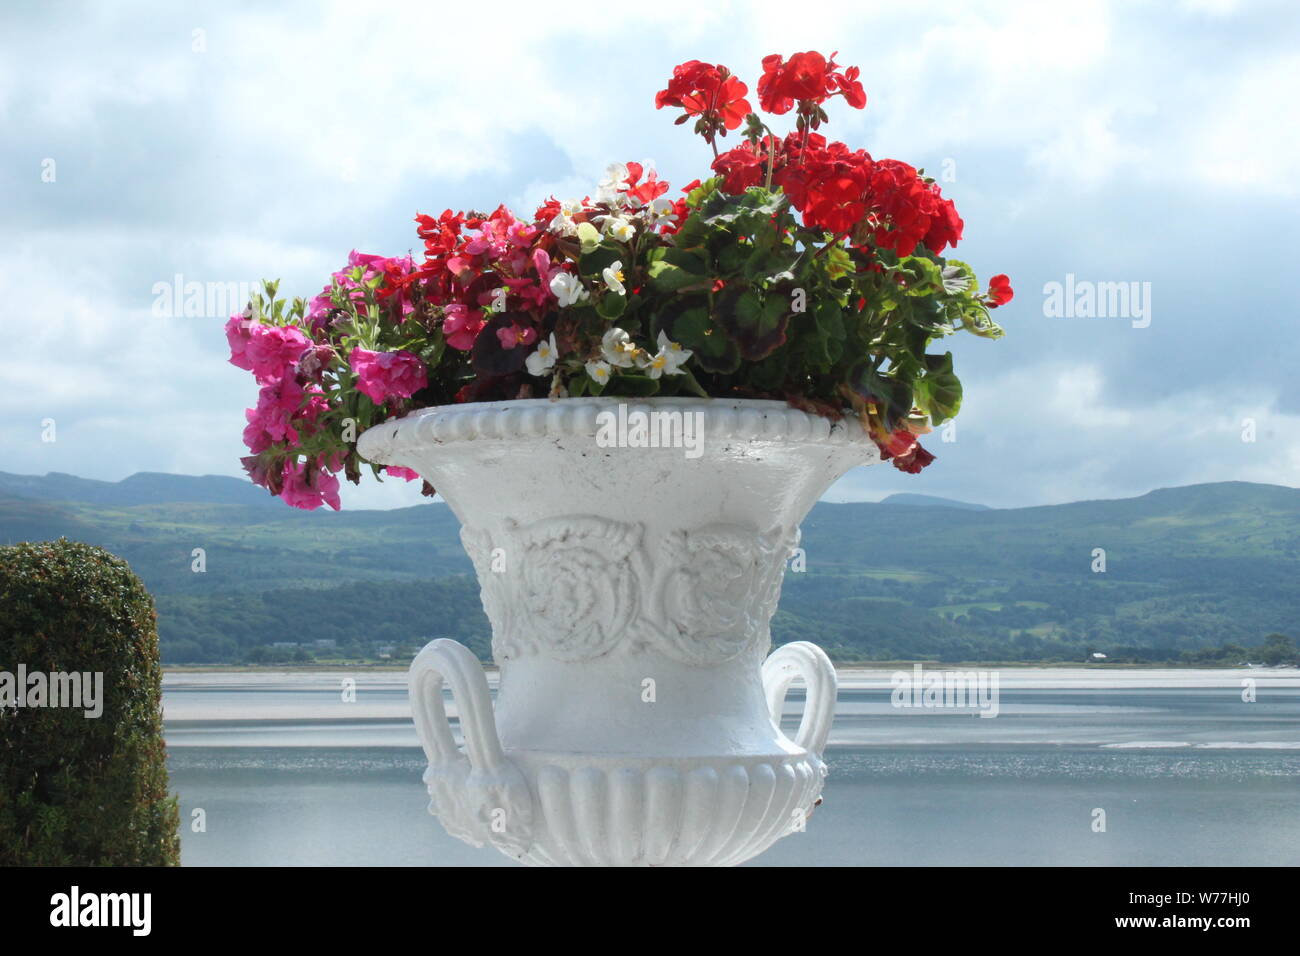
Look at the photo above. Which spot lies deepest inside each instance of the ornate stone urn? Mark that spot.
(629, 574)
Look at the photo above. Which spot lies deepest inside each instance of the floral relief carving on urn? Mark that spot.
(567, 586)
(571, 587)
(719, 587)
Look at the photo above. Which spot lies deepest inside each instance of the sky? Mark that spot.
(1085, 145)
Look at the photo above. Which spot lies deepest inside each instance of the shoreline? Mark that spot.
(839, 666)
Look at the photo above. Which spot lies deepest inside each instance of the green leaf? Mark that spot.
(591, 263)
(714, 351)
(823, 340)
(690, 384)
(732, 258)
(923, 276)
(691, 327)
(756, 323)
(892, 395)
(770, 374)
(958, 278)
(633, 385)
(671, 270)
(938, 390)
(703, 191)
(838, 261)
(752, 206)
(611, 305)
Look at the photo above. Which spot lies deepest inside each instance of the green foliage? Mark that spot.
(78, 790)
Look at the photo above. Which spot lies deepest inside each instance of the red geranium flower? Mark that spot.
(913, 461)
(644, 192)
(802, 77)
(1000, 292)
(741, 168)
(848, 84)
(807, 78)
(708, 91)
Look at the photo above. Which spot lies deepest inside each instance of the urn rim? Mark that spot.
(736, 419)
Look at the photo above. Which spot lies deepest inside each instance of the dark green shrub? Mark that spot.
(77, 790)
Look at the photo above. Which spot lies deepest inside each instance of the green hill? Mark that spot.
(1187, 570)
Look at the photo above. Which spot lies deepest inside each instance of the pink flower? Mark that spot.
(512, 335)
(238, 333)
(257, 471)
(282, 408)
(404, 473)
(372, 263)
(318, 310)
(314, 360)
(392, 269)
(272, 349)
(309, 490)
(385, 375)
(461, 325)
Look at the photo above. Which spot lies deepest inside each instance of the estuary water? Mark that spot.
(1081, 766)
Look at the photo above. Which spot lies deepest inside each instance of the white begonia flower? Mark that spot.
(543, 360)
(613, 276)
(613, 188)
(568, 289)
(658, 212)
(620, 229)
(617, 349)
(563, 223)
(676, 354)
(599, 371)
(669, 359)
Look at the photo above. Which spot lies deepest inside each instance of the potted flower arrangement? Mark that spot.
(630, 401)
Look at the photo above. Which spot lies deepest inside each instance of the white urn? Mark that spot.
(630, 554)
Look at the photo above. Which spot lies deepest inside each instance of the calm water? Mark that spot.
(1187, 773)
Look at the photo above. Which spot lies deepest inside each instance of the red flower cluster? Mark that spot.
(848, 193)
(644, 193)
(806, 78)
(709, 92)
(910, 210)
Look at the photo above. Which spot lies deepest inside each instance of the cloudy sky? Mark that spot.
(1147, 143)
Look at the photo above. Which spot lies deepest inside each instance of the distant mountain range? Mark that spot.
(142, 488)
(153, 487)
(930, 501)
(1187, 570)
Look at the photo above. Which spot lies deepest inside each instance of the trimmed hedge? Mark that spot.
(76, 790)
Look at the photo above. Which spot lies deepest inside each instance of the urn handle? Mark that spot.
(479, 794)
(806, 660)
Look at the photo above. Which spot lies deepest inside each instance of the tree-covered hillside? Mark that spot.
(1186, 571)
